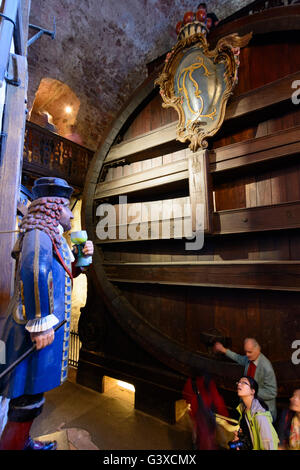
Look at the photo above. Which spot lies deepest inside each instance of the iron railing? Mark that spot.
(48, 154)
(74, 348)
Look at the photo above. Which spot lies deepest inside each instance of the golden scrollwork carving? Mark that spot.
(197, 82)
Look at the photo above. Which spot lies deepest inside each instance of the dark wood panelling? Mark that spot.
(165, 310)
(268, 188)
(270, 317)
(294, 246)
(156, 110)
(274, 247)
(151, 117)
(256, 150)
(199, 311)
(230, 195)
(234, 136)
(264, 63)
(173, 315)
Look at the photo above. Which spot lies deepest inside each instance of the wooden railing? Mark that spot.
(49, 154)
(255, 7)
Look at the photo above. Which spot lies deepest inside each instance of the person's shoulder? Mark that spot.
(258, 411)
(262, 414)
(36, 236)
(265, 361)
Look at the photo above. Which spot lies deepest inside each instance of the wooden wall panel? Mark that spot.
(263, 190)
(164, 308)
(144, 120)
(252, 319)
(249, 132)
(230, 195)
(199, 311)
(292, 183)
(268, 187)
(230, 314)
(270, 324)
(274, 247)
(173, 314)
(244, 71)
(151, 117)
(294, 245)
(264, 63)
(283, 121)
(227, 249)
(278, 190)
(156, 113)
(146, 301)
(250, 191)
(192, 311)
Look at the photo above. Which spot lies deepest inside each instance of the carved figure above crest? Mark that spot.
(197, 82)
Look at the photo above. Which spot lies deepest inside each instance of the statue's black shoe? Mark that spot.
(38, 445)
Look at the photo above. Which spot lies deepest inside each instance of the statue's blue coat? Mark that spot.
(47, 368)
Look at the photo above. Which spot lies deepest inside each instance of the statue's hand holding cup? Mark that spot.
(79, 239)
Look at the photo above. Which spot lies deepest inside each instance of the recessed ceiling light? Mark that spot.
(68, 109)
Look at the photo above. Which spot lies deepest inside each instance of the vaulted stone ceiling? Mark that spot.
(101, 50)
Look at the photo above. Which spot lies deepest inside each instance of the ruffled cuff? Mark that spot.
(41, 324)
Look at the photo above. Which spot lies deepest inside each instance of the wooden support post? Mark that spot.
(9, 10)
(200, 192)
(10, 171)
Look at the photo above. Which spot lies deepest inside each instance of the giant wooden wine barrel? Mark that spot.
(155, 308)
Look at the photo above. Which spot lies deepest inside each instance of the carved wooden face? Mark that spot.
(66, 216)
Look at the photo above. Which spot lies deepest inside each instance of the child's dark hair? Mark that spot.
(254, 386)
(202, 5)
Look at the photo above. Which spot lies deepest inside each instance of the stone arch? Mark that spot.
(50, 105)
